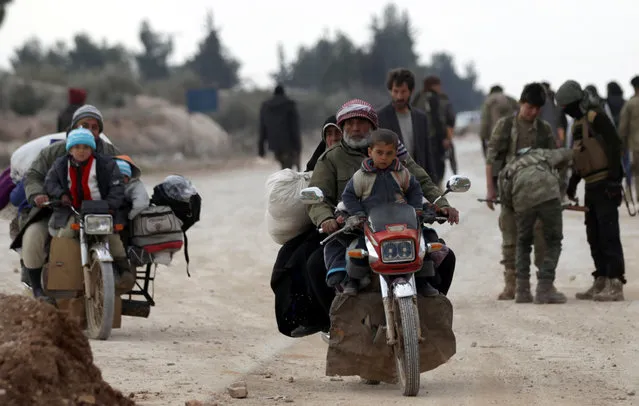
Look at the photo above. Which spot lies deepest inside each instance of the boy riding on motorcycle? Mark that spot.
(382, 179)
(82, 175)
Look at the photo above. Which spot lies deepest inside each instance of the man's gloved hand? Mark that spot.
(66, 200)
(335, 279)
(39, 200)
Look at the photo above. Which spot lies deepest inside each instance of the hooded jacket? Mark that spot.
(108, 179)
(370, 187)
(136, 198)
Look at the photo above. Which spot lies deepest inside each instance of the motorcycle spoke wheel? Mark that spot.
(406, 349)
(100, 306)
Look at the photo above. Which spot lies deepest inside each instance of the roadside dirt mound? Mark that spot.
(45, 359)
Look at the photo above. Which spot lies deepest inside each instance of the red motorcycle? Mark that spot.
(396, 250)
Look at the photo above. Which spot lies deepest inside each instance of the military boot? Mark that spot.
(612, 291)
(597, 286)
(509, 288)
(547, 293)
(522, 293)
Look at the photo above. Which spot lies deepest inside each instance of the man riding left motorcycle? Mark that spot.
(34, 232)
(334, 169)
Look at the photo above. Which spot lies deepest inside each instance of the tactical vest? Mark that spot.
(590, 159)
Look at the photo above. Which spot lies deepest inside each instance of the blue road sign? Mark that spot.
(202, 100)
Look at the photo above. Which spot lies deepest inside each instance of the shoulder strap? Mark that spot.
(402, 178)
(186, 253)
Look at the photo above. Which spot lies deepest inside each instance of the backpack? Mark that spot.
(507, 176)
(178, 193)
(589, 152)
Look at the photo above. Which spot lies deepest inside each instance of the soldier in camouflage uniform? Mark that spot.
(511, 134)
(529, 185)
(497, 105)
(629, 130)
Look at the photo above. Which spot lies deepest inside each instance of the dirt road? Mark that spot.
(218, 326)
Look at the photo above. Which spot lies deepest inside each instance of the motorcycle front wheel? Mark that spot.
(100, 306)
(406, 349)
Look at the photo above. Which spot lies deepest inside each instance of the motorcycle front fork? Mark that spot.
(400, 289)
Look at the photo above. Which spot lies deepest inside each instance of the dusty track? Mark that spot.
(218, 326)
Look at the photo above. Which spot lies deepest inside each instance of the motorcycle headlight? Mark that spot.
(98, 224)
(398, 251)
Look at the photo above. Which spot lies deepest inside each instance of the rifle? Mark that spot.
(627, 194)
(566, 206)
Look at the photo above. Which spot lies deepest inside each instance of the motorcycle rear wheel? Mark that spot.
(406, 349)
(100, 307)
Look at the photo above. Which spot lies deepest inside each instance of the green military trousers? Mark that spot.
(508, 227)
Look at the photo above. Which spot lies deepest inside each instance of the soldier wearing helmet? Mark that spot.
(597, 160)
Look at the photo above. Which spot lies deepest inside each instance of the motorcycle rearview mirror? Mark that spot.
(458, 184)
(311, 195)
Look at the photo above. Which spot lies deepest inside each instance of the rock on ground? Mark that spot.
(45, 359)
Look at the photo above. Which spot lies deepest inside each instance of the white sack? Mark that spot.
(286, 215)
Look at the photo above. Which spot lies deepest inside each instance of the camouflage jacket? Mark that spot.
(502, 146)
(531, 178)
(629, 123)
(496, 106)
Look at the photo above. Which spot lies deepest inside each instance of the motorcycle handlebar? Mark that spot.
(60, 203)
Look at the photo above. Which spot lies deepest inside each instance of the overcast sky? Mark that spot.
(510, 42)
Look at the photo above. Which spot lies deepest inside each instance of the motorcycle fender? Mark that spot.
(101, 252)
(403, 289)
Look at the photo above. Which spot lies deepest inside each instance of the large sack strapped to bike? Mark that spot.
(357, 344)
(180, 195)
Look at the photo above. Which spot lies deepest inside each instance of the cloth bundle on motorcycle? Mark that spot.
(358, 348)
(180, 195)
(23, 157)
(295, 303)
(286, 216)
(155, 230)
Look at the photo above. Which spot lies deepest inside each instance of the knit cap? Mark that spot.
(125, 167)
(87, 111)
(80, 136)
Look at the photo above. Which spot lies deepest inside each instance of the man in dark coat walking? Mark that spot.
(280, 128)
(411, 124)
(77, 98)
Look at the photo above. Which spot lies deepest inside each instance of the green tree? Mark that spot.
(283, 74)
(30, 53)
(461, 90)
(212, 62)
(391, 46)
(153, 61)
(328, 65)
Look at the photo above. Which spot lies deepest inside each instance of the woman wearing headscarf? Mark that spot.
(331, 135)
